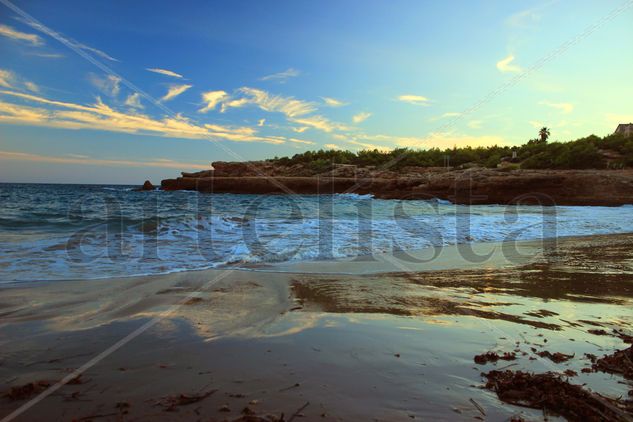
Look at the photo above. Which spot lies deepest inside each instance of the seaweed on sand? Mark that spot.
(549, 391)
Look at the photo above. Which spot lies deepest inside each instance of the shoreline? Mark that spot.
(449, 258)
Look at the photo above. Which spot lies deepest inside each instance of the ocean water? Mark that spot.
(58, 232)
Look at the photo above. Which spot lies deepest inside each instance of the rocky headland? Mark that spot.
(476, 185)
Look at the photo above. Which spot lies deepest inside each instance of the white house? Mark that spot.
(625, 129)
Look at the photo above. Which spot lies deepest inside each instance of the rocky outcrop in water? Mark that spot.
(470, 186)
(147, 186)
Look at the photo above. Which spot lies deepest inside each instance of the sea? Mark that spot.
(61, 232)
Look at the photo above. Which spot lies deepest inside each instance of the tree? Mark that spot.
(543, 134)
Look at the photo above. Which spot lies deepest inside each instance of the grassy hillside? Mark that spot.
(584, 153)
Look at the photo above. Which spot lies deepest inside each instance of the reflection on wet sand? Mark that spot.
(573, 272)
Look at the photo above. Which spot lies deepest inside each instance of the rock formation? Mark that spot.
(147, 186)
(470, 186)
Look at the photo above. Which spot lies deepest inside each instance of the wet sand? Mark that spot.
(392, 345)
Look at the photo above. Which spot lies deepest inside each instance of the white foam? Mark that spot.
(209, 231)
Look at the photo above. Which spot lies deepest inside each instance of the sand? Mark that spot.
(349, 342)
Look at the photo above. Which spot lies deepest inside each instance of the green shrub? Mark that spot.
(535, 154)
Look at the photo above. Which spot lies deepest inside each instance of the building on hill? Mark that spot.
(625, 129)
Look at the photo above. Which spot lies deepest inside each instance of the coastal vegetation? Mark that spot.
(591, 152)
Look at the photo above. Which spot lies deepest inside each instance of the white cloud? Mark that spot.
(261, 122)
(414, 99)
(282, 76)
(174, 90)
(332, 146)
(361, 117)
(134, 100)
(212, 99)
(563, 107)
(14, 34)
(333, 102)
(300, 129)
(84, 160)
(505, 65)
(99, 116)
(165, 72)
(109, 84)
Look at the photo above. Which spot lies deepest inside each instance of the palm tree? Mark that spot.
(543, 134)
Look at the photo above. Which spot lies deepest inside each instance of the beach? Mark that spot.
(389, 340)
(292, 211)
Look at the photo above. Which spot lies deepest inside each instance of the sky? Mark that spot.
(119, 92)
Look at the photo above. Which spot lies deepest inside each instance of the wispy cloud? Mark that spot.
(300, 141)
(173, 91)
(281, 76)
(46, 55)
(505, 65)
(108, 84)
(332, 146)
(563, 107)
(134, 100)
(361, 117)
(320, 123)
(261, 122)
(333, 102)
(289, 106)
(295, 110)
(6, 78)
(85, 160)
(9, 32)
(445, 116)
(527, 18)
(433, 140)
(414, 99)
(165, 72)
(370, 146)
(448, 140)
(9, 79)
(474, 124)
(66, 40)
(615, 119)
(31, 86)
(212, 99)
(536, 124)
(99, 116)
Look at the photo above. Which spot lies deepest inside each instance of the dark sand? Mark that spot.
(390, 346)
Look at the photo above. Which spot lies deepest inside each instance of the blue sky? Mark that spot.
(117, 92)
